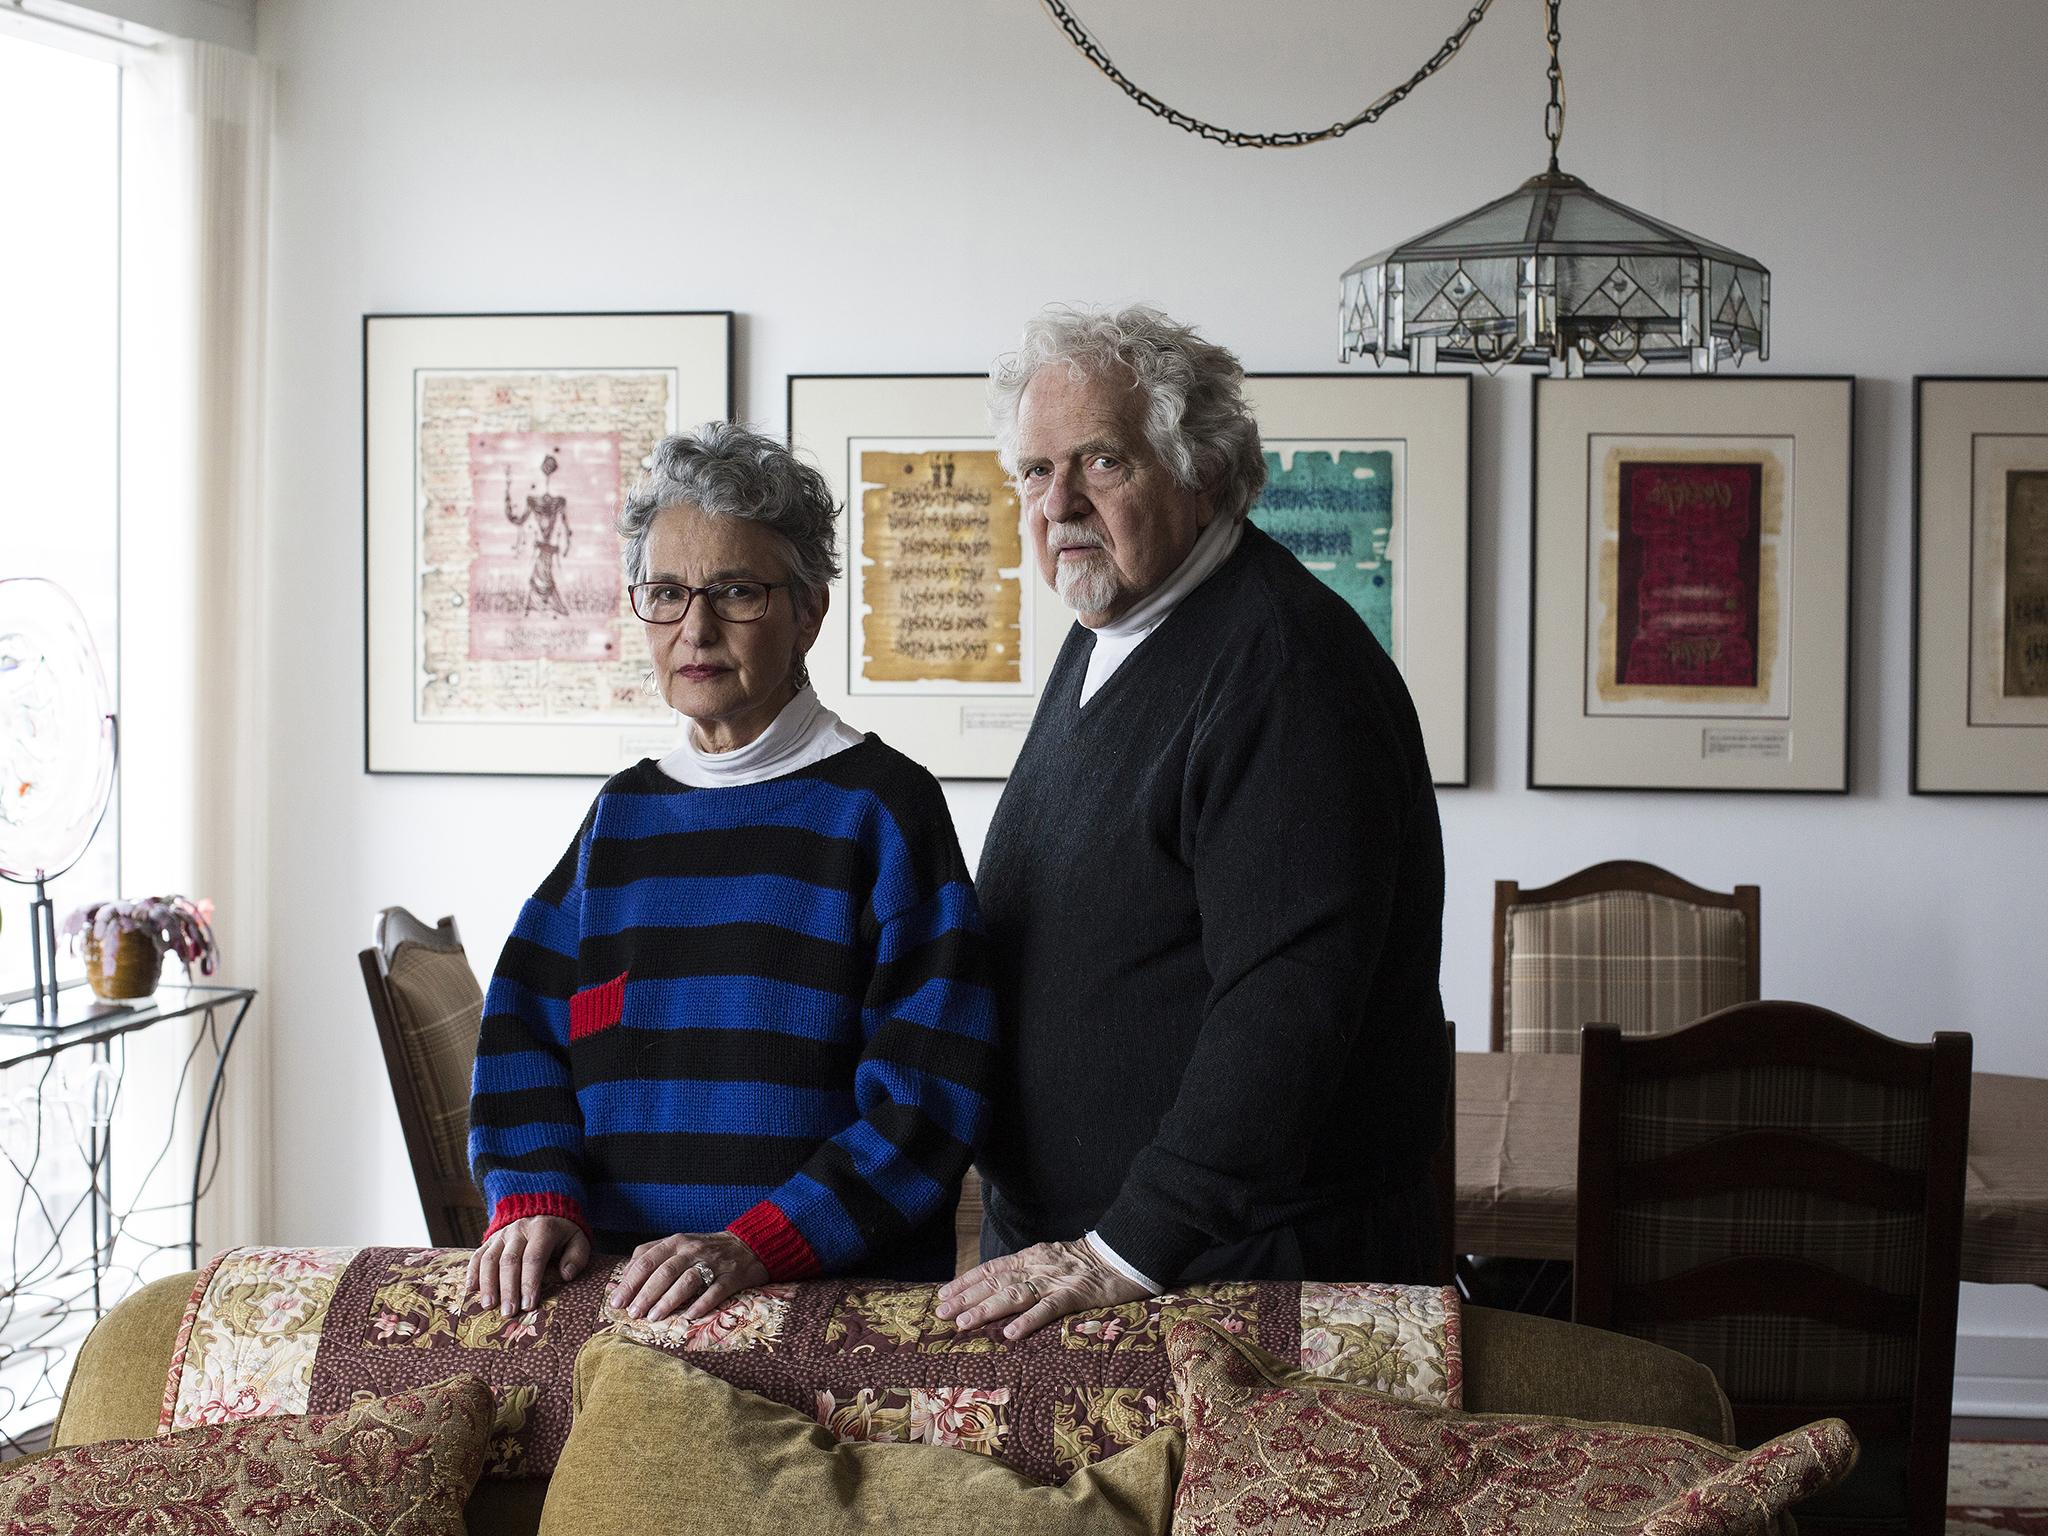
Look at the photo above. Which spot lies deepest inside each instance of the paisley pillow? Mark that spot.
(388, 1466)
(1272, 1452)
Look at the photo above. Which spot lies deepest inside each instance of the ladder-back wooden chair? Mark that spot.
(1777, 1192)
(427, 1007)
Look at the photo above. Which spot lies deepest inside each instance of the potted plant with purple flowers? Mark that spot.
(125, 941)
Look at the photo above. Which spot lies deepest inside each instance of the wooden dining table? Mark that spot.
(1518, 1152)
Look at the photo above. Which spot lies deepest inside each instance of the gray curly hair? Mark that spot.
(1195, 416)
(729, 471)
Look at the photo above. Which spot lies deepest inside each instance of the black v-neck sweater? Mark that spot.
(1214, 899)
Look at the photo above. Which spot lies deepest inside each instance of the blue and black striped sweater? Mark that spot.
(761, 1008)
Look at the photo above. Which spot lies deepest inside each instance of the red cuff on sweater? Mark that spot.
(513, 1207)
(776, 1242)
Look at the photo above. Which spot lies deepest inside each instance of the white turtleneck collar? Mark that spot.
(804, 732)
(1116, 640)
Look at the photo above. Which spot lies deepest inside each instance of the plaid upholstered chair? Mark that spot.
(1777, 1192)
(427, 1006)
(1621, 943)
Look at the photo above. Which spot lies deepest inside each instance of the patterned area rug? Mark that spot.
(1997, 1486)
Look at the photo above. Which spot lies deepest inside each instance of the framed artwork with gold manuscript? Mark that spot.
(497, 450)
(1690, 573)
(942, 631)
(1980, 586)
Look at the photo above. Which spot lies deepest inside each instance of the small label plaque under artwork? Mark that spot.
(976, 718)
(1756, 743)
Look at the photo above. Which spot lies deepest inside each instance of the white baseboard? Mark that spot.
(2001, 1376)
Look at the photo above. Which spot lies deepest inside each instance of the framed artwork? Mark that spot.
(497, 633)
(942, 632)
(1980, 586)
(1689, 584)
(1369, 483)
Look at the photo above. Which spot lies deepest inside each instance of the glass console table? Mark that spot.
(85, 1233)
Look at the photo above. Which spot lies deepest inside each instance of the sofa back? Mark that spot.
(1513, 1364)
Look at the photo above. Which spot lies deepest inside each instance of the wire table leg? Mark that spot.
(97, 1105)
(220, 1067)
(80, 1240)
(96, 1153)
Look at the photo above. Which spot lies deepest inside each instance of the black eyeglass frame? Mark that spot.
(693, 593)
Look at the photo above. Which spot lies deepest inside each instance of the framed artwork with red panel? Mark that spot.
(1689, 600)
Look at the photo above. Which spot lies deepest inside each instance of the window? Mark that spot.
(59, 375)
(59, 454)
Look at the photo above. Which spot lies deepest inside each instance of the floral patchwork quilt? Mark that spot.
(312, 1330)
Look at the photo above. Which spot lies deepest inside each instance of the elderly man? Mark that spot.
(1214, 885)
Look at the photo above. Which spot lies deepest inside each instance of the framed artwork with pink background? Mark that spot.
(497, 450)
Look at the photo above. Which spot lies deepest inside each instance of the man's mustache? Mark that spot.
(1067, 536)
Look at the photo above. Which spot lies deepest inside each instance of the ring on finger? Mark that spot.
(705, 1274)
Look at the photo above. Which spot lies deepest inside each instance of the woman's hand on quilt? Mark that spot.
(697, 1271)
(515, 1261)
(1034, 1287)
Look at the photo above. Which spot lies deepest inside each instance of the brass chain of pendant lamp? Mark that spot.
(1553, 274)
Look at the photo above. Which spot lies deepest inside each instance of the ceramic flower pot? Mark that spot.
(138, 966)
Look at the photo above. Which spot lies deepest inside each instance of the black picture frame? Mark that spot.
(1568, 747)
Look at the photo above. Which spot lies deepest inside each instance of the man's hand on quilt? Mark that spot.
(1035, 1286)
(508, 1271)
(700, 1271)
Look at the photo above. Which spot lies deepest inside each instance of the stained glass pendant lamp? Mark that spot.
(1553, 273)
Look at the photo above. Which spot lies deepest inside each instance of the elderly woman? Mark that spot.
(742, 1030)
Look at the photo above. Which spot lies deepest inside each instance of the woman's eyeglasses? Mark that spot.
(734, 602)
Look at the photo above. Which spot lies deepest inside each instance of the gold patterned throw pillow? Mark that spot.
(660, 1446)
(389, 1466)
(1272, 1451)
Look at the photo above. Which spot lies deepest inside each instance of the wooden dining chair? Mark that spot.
(1777, 1192)
(427, 1007)
(1622, 943)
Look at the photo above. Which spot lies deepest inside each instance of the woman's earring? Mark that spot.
(647, 682)
(802, 676)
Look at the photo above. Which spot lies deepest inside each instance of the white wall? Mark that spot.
(894, 187)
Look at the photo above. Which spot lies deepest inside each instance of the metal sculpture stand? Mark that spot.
(42, 938)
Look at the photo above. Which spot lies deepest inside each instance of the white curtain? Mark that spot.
(196, 128)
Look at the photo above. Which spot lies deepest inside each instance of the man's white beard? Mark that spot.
(1087, 585)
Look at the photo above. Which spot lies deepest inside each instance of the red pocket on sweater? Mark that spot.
(597, 1007)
